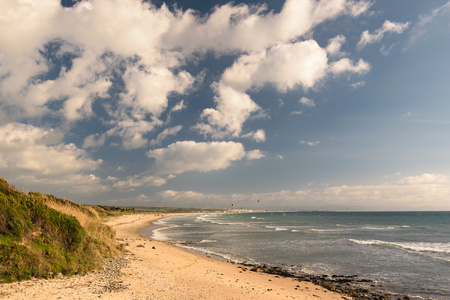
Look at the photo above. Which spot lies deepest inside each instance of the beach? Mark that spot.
(152, 269)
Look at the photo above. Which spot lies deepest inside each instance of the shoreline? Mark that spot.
(352, 286)
(151, 269)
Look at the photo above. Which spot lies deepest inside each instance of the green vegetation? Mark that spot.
(42, 236)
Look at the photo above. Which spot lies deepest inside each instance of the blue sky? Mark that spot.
(337, 104)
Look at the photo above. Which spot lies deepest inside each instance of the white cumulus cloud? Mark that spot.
(307, 102)
(334, 46)
(186, 156)
(346, 65)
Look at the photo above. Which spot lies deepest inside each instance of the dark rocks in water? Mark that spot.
(349, 285)
(186, 243)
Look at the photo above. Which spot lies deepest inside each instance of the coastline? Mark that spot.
(158, 270)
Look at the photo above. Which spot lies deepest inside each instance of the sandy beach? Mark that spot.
(156, 270)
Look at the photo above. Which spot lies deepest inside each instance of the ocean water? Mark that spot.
(403, 252)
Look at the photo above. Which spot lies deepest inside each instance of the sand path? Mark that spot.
(157, 270)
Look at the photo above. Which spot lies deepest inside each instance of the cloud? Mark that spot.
(419, 30)
(425, 178)
(165, 134)
(149, 91)
(233, 109)
(229, 29)
(123, 68)
(94, 141)
(132, 130)
(37, 155)
(309, 143)
(346, 65)
(408, 114)
(388, 27)
(334, 46)
(258, 135)
(144, 48)
(297, 112)
(423, 192)
(137, 181)
(183, 195)
(74, 66)
(307, 102)
(255, 154)
(179, 106)
(358, 84)
(286, 66)
(187, 156)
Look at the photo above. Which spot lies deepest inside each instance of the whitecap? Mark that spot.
(207, 241)
(158, 235)
(277, 228)
(416, 247)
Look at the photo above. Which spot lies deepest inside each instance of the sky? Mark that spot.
(303, 104)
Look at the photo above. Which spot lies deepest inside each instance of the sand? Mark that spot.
(157, 270)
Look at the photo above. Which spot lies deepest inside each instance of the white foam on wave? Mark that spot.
(158, 235)
(207, 241)
(416, 247)
(208, 219)
(381, 228)
(277, 228)
(160, 222)
(324, 230)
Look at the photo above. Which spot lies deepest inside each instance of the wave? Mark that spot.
(158, 235)
(324, 230)
(160, 221)
(416, 247)
(298, 231)
(385, 227)
(207, 241)
(204, 218)
(278, 228)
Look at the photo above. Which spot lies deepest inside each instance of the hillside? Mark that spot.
(43, 236)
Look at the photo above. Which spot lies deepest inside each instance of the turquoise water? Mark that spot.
(404, 252)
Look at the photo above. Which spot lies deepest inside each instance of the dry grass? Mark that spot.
(88, 218)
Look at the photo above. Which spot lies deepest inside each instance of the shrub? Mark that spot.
(41, 236)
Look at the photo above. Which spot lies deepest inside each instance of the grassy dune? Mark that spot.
(42, 236)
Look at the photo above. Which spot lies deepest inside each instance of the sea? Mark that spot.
(404, 253)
